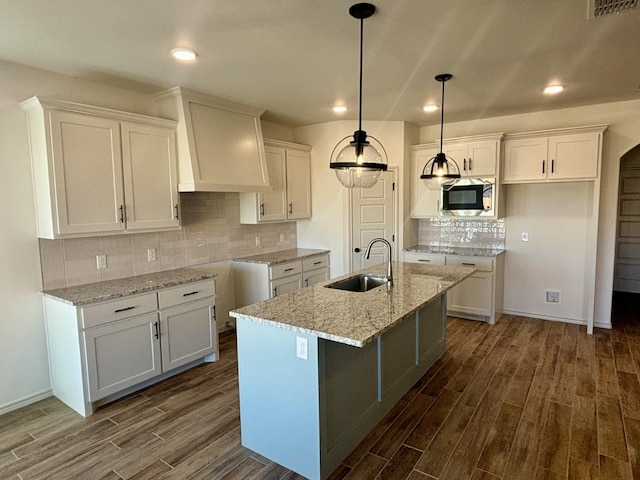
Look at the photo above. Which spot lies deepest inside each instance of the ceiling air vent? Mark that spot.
(600, 8)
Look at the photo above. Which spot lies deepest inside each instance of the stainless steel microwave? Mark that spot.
(468, 197)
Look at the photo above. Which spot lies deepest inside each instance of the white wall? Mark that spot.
(622, 135)
(329, 225)
(24, 370)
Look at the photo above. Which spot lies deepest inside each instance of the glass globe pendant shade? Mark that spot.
(358, 163)
(440, 171)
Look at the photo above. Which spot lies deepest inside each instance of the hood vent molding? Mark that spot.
(220, 144)
(601, 8)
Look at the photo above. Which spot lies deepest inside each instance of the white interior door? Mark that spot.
(372, 217)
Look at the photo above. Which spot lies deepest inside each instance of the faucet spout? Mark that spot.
(367, 253)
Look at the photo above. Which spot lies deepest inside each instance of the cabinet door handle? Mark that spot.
(542, 166)
(306, 282)
(275, 291)
(289, 269)
(176, 208)
(357, 249)
(121, 213)
(123, 309)
(190, 293)
(464, 164)
(291, 209)
(214, 313)
(262, 209)
(157, 328)
(553, 165)
(423, 260)
(469, 164)
(469, 264)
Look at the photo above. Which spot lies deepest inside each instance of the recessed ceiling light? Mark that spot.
(430, 108)
(553, 89)
(339, 109)
(184, 54)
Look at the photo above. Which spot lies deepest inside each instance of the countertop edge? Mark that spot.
(289, 258)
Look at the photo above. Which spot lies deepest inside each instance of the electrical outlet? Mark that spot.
(282, 238)
(302, 348)
(101, 261)
(552, 296)
(151, 255)
(525, 236)
(257, 241)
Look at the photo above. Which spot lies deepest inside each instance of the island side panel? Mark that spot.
(279, 396)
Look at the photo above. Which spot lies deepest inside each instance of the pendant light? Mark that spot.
(440, 170)
(359, 159)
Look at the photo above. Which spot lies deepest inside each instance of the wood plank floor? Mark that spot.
(523, 399)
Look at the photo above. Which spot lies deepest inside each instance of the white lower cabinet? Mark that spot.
(255, 282)
(121, 354)
(478, 297)
(105, 350)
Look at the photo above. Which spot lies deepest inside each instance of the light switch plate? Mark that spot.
(151, 255)
(525, 236)
(101, 261)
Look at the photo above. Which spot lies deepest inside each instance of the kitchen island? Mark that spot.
(320, 367)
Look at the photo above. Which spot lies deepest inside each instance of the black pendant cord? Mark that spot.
(360, 94)
(441, 117)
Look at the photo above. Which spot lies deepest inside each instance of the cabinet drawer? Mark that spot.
(185, 293)
(285, 269)
(315, 262)
(126, 307)
(426, 258)
(482, 264)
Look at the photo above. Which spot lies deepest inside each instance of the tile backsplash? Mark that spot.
(211, 232)
(450, 231)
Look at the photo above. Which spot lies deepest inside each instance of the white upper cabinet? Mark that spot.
(98, 171)
(424, 202)
(290, 174)
(476, 157)
(220, 142)
(570, 154)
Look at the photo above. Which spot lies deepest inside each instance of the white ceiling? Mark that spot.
(296, 58)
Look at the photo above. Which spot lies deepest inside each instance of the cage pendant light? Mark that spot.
(358, 160)
(440, 170)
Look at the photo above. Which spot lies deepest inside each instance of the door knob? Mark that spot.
(357, 249)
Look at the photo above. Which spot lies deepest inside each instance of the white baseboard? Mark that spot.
(556, 319)
(24, 401)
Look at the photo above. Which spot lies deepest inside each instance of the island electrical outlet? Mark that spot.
(302, 348)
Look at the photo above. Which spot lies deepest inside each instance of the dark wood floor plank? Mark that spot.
(606, 379)
(495, 454)
(611, 436)
(581, 470)
(554, 448)
(523, 458)
(602, 343)
(368, 468)
(632, 429)
(622, 356)
(401, 464)
(387, 445)
(421, 436)
(586, 377)
(584, 432)
(482, 475)
(152, 472)
(629, 394)
(614, 469)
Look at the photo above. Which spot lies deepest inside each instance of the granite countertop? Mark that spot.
(452, 250)
(356, 318)
(122, 287)
(281, 256)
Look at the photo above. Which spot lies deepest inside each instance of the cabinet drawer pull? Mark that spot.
(157, 328)
(190, 293)
(469, 264)
(317, 263)
(423, 260)
(176, 208)
(289, 269)
(123, 309)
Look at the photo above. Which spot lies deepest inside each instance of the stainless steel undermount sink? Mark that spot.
(359, 283)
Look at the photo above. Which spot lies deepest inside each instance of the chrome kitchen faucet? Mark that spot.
(389, 269)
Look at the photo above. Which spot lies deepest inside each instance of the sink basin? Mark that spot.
(359, 283)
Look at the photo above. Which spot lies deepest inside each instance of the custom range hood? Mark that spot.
(220, 144)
